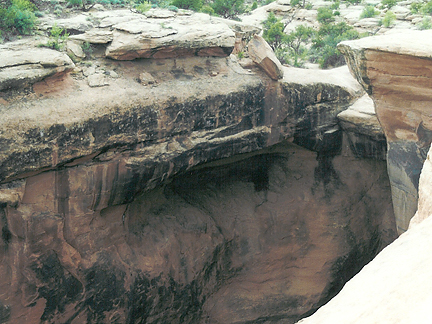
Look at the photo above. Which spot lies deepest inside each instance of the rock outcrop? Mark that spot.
(396, 71)
(395, 287)
(176, 190)
(23, 67)
(261, 53)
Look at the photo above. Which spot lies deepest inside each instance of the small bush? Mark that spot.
(324, 49)
(188, 4)
(254, 5)
(388, 19)
(57, 38)
(228, 8)
(415, 7)
(369, 12)
(426, 23)
(294, 3)
(325, 15)
(387, 4)
(353, 2)
(335, 5)
(207, 9)
(18, 16)
(273, 31)
(87, 49)
(427, 8)
(143, 7)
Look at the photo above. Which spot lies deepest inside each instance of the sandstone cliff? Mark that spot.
(396, 286)
(396, 71)
(182, 190)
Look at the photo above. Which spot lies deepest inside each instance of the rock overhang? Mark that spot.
(396, 70)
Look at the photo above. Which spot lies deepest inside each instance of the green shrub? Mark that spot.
(294, 3)
(18, 16)
(369, 12)
(415, 7)
(188, 4)
(143, 7)
(254, 5)
(228, 8)
(388, 19)
(426, 23)
(57, 38)
(207, 9)
(335, 5)
(87, 49)
(296, 41)
(324, 49)
(308, 6)
(353, 2)
(273, 31)
(325, 15)
(388, 3)
(427, 8)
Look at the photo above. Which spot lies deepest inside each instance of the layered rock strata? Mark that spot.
(168, 191)
(396, 71)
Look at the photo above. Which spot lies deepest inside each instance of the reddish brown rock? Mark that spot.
(275, 235)
(396, 71)
(262, 54)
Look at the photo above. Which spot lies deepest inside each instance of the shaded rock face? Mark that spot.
(398, 78)
(267, 238)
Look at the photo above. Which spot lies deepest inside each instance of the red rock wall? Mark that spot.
(270, 237)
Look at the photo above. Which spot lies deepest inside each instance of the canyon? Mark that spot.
(167, 181)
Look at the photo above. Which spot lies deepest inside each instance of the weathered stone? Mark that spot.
(146, 78)
(146, 39)
(219, 244)
(262, 54)
(394, 288)
(97, 80)
(94, 36)
(365, 136)
(425, 192)
(74, 24)
(396, 70)
(20, 68)
(75, 50)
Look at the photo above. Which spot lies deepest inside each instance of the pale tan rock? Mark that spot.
(146, 78)
(97, 80)
(262, 54)
(19, 68)
(94, 36)
(74, 48)
(425, 192)
(393, 288)
(181, 36)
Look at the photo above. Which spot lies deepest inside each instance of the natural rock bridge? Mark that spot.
(192, 189)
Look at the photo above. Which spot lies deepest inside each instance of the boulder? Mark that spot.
(20, 68)
(396, 71)
(262, 54)
(94, 36)
(147, 38)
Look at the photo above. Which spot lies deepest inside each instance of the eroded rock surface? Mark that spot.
(22, 67)
(169, 190)
(395, 287)
(396, 70)
(270, 237)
